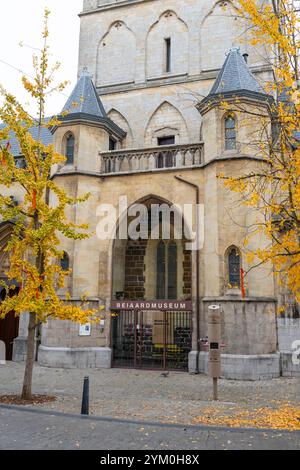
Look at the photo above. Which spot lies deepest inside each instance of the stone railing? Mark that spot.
(152, 159)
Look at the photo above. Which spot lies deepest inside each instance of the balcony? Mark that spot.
(152, 159)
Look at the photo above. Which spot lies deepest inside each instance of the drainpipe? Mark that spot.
(197, 191)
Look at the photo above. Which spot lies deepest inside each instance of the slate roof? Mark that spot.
(84, 99)
(84, 104)
(88, 107)
(235, 79)
(46, 136)
(235, 75)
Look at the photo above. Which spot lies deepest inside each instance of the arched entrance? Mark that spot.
(9, 326)
(9, 330)
(152, 292)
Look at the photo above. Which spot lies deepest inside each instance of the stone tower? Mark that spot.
(160, 56)
(147, 126)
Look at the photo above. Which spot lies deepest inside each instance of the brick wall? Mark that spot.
(187, 274)
(134, 269)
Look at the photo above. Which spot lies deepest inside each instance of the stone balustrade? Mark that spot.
(152, 159)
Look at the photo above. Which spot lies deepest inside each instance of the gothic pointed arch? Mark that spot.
(116, 55)
(233, 262)
(229, 128)
(166, 121)
(138, 263)
(167, 46)
(68, 147)
(223, 25)
(123, 123)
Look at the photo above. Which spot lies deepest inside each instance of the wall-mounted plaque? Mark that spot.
(85, 330)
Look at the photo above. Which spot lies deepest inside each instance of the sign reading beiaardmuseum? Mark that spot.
(167, 305)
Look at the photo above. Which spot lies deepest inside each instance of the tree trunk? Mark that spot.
(27, 381)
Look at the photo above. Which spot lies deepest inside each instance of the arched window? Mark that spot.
(70, 147)
(161, 271)
(230, 133)
(172, 270)
(234, 267)
(166, 269)
(65, 262)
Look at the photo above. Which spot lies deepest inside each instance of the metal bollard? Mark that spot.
(85, 397)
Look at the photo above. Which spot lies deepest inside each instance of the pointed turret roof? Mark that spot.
(235, 79)
(84, 105)
(235, 75)
(84, 99)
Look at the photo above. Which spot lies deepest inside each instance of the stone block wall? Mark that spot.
(59, 333)
(288, 332)
(122, 43)
(248, 327)
(243, 367)
(288, 368)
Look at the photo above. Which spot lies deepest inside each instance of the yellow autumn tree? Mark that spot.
(274, 190)
(37, 226)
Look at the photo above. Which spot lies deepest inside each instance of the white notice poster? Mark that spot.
(85, 330)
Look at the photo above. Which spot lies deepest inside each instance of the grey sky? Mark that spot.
(22, 22)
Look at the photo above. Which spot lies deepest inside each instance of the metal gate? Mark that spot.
(152, 340)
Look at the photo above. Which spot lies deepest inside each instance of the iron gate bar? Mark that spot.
(135, 337)
(142, 336)
(134, 344)
(165, 340)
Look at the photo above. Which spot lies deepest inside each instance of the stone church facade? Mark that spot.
(148, 127)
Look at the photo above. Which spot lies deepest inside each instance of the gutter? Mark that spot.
(197, 192)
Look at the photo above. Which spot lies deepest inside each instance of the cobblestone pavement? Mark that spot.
(41, 430)
(146, 395)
